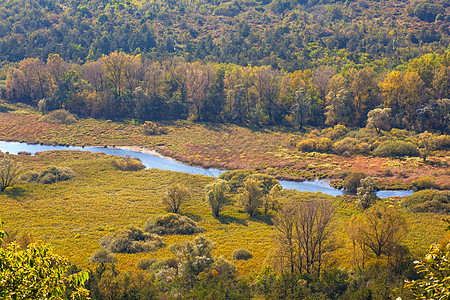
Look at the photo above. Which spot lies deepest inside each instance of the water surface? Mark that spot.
(164, 163)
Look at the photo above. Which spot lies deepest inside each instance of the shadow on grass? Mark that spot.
(228, 220)
(258, 217)
(217, 127)
(194, 217)
(15, 193)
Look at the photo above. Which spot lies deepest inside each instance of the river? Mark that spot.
(151, 160)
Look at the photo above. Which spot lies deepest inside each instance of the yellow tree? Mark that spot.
(393, 92)
(414, 96)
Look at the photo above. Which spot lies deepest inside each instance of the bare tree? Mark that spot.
(175, 195)
(94, 74)
(8, 172)
(380, 229)
(198, 80)
(322, 76)
(302, 230)
(267, 85)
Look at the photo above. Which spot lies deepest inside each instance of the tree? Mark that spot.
(36, 273)
(379, 119)
(364, 89)
(8, 172)
(301, 107)
(193, 258)
(251, 195)
(267, 86)
(175, 195)
(367, 192)
(198, 81)
(302, 233)
(216, 196)
(380, 229)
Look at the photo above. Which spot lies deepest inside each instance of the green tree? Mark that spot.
(36, 273)
(251, 196)
(193, 258)
(216, 196)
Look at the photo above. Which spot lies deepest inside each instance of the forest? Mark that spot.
(355, 92)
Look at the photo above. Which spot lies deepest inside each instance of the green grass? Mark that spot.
(73, 215)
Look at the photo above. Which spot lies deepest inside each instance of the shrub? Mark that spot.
(325, 145)
(128, 164)
(103, 256)
(338, 131)
(235, 178)
(442, 142)
(241, 254)
(428, 201)
(345, 146)
(146, 263)
(353, 181)
(150, 128)
(308, 145)
(59, 116)
(132, 240)
(50, 175)
(172, 224)
(422, 183)
(396, 149)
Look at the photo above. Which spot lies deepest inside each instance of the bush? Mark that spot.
(428, 201)
(423, 183)
(396, 149)
(146, 263)
(50, 175)
(172, 224)
(103, 256)
(241, 254)
(59, 116)
(353, 181)
(338, 131)
(235, 178)
(150, 128)
(128, 164)
(308, 145)
(325, 145)
(442, 142)
(345, 147)
(132, 240)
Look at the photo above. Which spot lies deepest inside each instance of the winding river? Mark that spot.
(152, 160)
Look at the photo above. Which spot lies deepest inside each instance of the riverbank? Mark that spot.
(226, 147)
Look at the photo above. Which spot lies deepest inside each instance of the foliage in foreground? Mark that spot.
(435, 268)
(36, 273)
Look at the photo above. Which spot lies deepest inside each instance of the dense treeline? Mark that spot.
(285, 34)
(120, 86)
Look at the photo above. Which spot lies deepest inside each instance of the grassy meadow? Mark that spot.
(73, 215)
